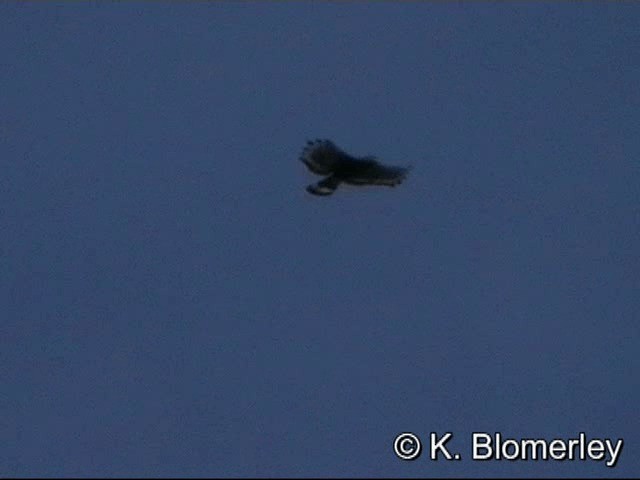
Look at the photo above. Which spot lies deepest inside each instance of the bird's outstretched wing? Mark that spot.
(324, 187)
(323, 157)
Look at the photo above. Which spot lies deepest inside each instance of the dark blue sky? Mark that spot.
(176, 304)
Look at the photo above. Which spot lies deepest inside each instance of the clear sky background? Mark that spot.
(174, 302)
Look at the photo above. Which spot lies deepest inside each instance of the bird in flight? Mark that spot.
(323, 157)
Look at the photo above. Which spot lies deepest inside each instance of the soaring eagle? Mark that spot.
(324, 158)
